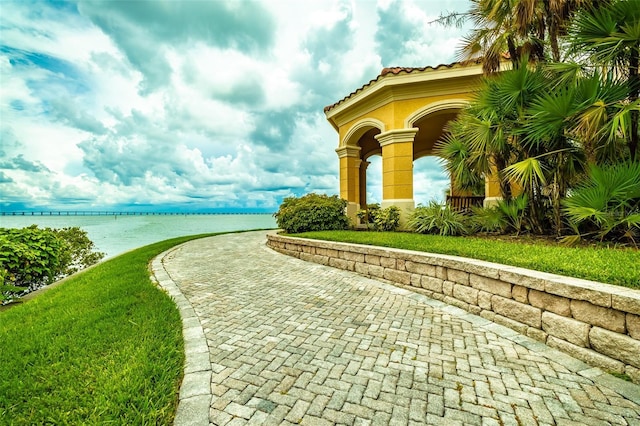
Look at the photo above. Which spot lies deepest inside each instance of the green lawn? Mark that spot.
(105, 347)
(608, 265)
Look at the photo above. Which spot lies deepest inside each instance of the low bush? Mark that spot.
(312, 212)
(368, 216)
(487, 219)
(513, 212)
(80, 251)
(438, 219)
(32, 257)
(387, 219)
(607, 204)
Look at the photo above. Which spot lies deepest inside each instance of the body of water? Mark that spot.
(114, 235)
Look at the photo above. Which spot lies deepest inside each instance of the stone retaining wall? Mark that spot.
(597, 323)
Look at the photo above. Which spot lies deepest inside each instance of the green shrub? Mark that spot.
(312, 212)
(368, 216)
(487, 219)
(514, 213)
(80, 249)
(439, 219)
(607, 204)
(32, 257)
(387, 219)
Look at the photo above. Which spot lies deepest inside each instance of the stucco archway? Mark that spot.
(404, 110)
(358, 144)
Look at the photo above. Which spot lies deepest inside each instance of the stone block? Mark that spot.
(400, 265)
(420, 268)
(525, 277)
(520, 294)
(456, 302)
(539, 335)
(388, 262)
(589, 356)
(441, 272)
(626, 300)
(447, 288)
(457, 276)
(634, 373)
(415, 280)
(338, 263)
(577, 289)
(431, 283)
(332, 253)
(400, 277)
(437, 296)
(633, 326)
(517, 311)
(306, 257)
(549, 302)
(484, 299)
(466, 294)
(571, 330)
(485, 269)
(308, 249)
(490, 285)
(510, 323)
(362, 268)
(348, 255)
(372, 259)
(610, 319)
(475, 309)
(323, 260)
(488, 315)
(291, 253)
(376, 271)
(615, 345)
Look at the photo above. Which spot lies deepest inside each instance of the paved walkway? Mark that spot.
(291, 342)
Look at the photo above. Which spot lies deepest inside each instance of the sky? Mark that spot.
(196, 106)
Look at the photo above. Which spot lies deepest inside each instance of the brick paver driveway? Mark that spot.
(294, 342)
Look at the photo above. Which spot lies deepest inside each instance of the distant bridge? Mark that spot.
(115, 213)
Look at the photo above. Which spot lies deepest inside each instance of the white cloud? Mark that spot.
(210, 105)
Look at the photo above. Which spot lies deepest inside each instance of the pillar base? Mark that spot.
(406, 206)
(491, 201)
(351, 212)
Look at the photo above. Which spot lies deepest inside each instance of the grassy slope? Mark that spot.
(106, 346)
(614, 266)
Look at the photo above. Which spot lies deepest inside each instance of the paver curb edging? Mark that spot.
(594, 322)
(195, 390)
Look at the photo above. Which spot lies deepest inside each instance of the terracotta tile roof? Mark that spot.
(396, 71)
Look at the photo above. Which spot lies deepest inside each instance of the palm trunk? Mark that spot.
(634, 83)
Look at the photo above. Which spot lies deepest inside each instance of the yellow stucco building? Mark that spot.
(399, 115)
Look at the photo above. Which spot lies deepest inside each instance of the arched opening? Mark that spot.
(374, 180)
(432, 127)
(370, 168)
(430, 180)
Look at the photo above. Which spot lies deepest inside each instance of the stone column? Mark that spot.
(397, 169)
(363, 184)
(492, 193)
(350, 178)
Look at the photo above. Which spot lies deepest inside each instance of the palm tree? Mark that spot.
(489, 130)
(499, 31)
(610, 35)
(514, 29)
